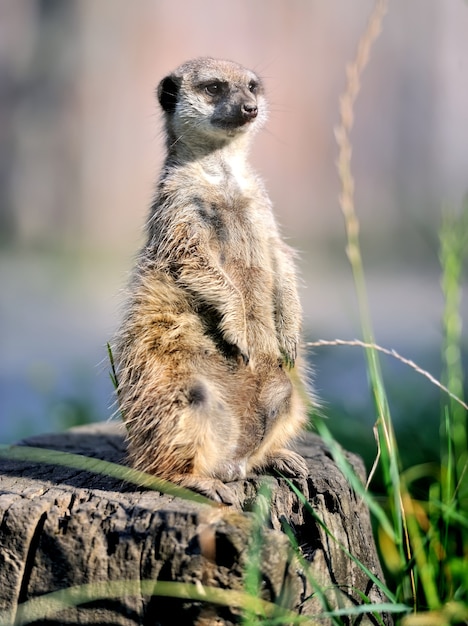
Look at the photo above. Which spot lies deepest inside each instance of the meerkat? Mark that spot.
(207, 355)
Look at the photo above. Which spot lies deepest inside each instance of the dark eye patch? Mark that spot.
(214, 88)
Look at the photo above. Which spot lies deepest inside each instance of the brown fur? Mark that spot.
(206, 353)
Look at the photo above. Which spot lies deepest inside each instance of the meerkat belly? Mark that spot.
(244, 254)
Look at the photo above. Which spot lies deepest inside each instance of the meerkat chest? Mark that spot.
(238, 215)
(240, 227)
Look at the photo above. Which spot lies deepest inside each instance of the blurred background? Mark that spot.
(80, 150)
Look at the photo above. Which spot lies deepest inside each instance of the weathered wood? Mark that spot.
(61, 527)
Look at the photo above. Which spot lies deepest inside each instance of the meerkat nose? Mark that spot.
(249, 111)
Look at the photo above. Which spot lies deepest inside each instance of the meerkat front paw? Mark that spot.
(289, 348)
(237, 339)
(289, 463)
(263, 341)
(259, 342)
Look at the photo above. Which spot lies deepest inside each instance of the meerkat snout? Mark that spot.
(249, 111)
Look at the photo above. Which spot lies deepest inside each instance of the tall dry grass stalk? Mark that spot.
(342, 135)
(386, 445)
(386, 442)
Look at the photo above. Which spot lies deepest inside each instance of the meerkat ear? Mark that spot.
(168, 93)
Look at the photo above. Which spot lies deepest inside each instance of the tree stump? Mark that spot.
(63, 527)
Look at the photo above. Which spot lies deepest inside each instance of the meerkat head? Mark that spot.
(210, 102)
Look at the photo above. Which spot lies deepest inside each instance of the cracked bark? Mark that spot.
(61, 527)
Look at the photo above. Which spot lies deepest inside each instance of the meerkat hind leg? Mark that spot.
(212, 488)
(207, 422)
(280, 401)
(288, 463)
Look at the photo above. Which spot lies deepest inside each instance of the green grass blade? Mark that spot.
(252, 571)
(48, 605)
(367, 572)
(353, 479)
(365, 609)
(319, 592)
(97, 466)
(113, 372)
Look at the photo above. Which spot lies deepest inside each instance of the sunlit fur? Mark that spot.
(206, 353)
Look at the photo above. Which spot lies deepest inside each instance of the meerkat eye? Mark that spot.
(253, 86)
(213, 89)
